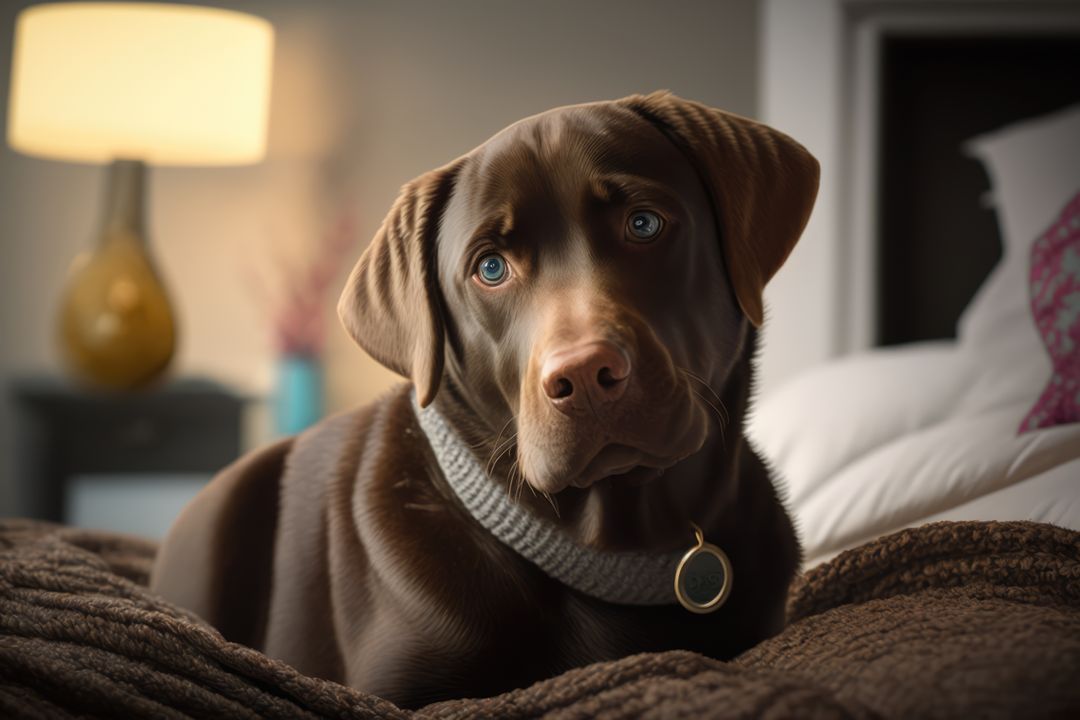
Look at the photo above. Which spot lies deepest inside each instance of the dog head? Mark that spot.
(588, 273)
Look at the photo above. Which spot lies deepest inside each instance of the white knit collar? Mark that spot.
(617, 577)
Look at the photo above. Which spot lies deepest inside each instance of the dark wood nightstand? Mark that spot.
(61, 431)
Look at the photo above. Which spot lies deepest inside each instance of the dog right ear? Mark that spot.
(391, 305)
(762, 184)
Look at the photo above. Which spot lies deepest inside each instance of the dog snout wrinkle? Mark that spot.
(586, 375)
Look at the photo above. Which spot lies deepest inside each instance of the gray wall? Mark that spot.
(366, 96)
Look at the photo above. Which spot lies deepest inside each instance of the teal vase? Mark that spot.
(299, 400)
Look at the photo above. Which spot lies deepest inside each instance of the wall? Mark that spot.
(366, 96)
(801, 94)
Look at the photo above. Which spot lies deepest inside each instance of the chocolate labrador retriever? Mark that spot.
(576, 302)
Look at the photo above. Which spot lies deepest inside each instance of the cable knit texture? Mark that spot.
(948, 620)
(627, 578)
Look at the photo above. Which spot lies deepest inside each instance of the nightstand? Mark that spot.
(186, 427)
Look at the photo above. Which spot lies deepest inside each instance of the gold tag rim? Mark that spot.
(717, 602)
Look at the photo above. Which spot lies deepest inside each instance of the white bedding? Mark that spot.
(896, 437)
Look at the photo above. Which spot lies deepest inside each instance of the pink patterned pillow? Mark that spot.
(1055, 305)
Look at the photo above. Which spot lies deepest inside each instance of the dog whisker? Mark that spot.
(503, 429)
(719, 417)
(522, 481)
(521, 484)
(712, 406)
(485, 443)
(498, 451)
(510, 482)
(694, 376)
(498, 439)
(705, 384)
(552, 501)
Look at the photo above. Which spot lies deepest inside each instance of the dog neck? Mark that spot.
(630, 578)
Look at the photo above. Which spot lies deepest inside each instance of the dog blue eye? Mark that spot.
(644, 225)
(492, 269)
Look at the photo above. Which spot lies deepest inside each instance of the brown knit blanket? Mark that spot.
(947, 620)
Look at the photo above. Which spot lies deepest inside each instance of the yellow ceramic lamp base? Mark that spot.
(116, 324)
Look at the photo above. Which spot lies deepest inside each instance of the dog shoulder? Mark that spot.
(216, 557)
(220, 555)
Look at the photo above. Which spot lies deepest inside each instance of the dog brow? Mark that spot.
(499, 224)
(612, 187)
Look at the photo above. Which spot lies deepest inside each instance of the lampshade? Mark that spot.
(167, 84)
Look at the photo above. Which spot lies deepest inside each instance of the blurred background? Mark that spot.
(366, 95)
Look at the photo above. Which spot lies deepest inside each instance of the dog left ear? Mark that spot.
(762, 184)
(391, 305)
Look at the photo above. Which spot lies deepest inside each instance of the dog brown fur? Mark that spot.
(345, 553)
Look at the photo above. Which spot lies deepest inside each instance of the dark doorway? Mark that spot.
(936, 240)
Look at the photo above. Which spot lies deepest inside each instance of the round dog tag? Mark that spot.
(703, 577)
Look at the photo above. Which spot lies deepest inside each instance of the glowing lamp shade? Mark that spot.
(165, 84)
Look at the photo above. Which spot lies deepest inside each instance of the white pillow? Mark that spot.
(827, 417)
(1034, 169)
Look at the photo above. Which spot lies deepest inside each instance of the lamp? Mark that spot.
(134, 83)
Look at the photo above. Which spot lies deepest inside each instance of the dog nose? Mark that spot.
(593, 372)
